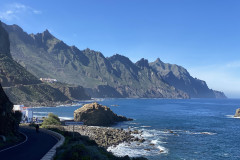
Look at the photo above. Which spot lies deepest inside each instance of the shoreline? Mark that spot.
(107, 136)
(55, 104)
(121, 142)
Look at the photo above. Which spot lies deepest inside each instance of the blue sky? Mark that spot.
(201, 35)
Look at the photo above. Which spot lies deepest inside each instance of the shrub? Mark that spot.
(51, 120)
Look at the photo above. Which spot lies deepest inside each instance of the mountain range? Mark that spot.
(23, 87)
(43, 55)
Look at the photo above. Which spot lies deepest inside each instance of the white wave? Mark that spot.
(132, 123)
(136, 150)
(39, 116)
(154, 141)
(146, 134)
(231, 116)
(41, 112)
(207, 133)
(145, 126)
(70, 105)
(162, 149)
(66, 118)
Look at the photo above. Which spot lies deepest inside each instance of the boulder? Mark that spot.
(237, 114)
(95, 114)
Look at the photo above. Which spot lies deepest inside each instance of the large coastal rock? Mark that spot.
(237, 114)
(95, 114)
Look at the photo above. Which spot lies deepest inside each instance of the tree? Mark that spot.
(51, 120)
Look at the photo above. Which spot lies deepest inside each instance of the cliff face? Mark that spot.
(8, 123)
(44, 55)
(7, 120)
(180, 78)
(95, 114)
(71, 91)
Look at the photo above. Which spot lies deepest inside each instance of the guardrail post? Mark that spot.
(73, 131)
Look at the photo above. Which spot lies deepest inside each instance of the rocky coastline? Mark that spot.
(107, 136)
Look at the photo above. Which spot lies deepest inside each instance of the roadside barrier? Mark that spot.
(52, 152)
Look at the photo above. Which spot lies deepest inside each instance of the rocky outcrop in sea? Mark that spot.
(95, 114)
(237, 114)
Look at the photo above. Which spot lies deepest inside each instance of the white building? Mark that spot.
(49, 80)
(27, 114)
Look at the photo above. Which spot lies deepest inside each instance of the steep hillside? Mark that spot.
(8, 122)
(20, 85)
(44, 55)
(141, 80)
(11, 73)
(179, 77)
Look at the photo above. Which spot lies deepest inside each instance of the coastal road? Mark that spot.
(36, 146)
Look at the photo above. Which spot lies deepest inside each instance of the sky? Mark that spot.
(201, 35)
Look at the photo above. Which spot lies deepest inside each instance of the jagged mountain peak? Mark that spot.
(158, 60)
(93, 53)
(13, 27)
(142, 63)
(46, 32)
(121, 58)
(46, 35)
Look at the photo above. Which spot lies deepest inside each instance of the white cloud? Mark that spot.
(37, 12)
(234, 64)
(225, 77)
(15, 10)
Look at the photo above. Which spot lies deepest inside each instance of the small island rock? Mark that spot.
(237, 114)
(95, 114)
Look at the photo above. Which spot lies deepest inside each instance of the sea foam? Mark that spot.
(152, 146)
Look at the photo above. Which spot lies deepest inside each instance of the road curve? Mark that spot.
(36, 146)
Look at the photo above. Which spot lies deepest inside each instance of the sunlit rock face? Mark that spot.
(95, 114)
(237, 114)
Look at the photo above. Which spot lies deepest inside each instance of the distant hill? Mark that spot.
(180, 78)
(22, 86)
(44, 55)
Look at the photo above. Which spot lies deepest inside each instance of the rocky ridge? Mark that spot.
(180, 78)
(44, 55)
(23, 87)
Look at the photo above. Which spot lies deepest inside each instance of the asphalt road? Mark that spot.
(36, 146)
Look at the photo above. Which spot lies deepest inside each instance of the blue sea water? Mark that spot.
(175, 128)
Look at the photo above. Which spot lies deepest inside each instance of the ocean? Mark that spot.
(184, 129)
